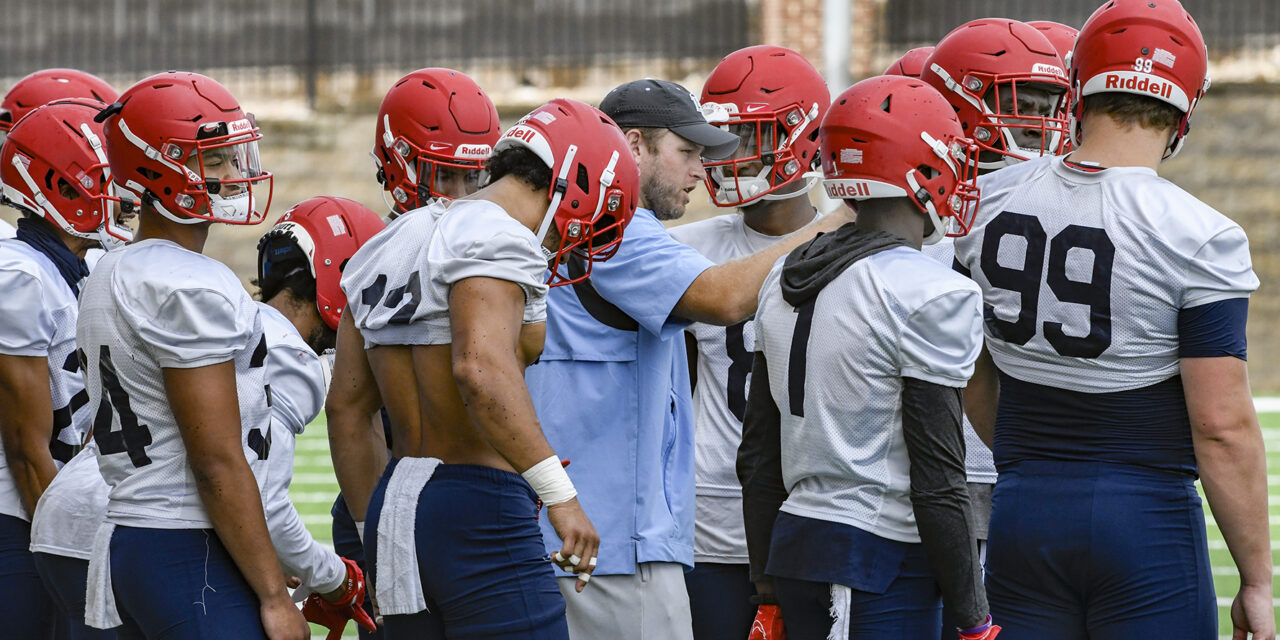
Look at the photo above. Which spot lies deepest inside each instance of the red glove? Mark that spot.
(987, 631)
(768, 624)
(334, 615)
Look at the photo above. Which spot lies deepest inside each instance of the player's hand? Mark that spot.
(768, 624)
(335, 608)
(581, 542)
(1252, 611)
(282, 620)
(293, 582)
(990, 631)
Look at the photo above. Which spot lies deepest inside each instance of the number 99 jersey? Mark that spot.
(154, 305)
(1084, 272)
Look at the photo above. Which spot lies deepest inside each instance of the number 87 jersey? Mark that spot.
(1087, 274)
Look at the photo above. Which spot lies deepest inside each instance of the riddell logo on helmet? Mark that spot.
(239, 126)
(472, 151)
(1048, 69)
(1155, 87)
(847, 189)
(522, 133)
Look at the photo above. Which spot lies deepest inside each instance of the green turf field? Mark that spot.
(314, 488)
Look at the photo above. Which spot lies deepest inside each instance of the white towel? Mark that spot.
(398, 586)
(841, 601)
(100, 599)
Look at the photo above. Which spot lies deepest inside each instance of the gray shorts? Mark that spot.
(652, 603)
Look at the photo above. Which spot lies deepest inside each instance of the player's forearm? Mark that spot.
(931, 429)
(32, 473)
(1234, 475)
(493, 389)
(759, 468)
(230, 497)
(26, 425)
(359, 453)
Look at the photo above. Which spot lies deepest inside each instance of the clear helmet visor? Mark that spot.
(230, 170)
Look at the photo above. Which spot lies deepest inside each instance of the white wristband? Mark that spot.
(550, 481)
(360, 531)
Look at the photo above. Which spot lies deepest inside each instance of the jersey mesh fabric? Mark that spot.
(1104, 261)
(891, 315)
(979, 466)
(724, 371)
(154, 305)
(398, 283)
(38, 318)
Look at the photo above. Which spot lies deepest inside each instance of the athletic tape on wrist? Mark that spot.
(550, 482)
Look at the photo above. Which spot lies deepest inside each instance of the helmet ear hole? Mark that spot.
(928, 172)
(583, 180)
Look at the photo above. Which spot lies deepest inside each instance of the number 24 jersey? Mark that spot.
(154, 305)
(1083, 272)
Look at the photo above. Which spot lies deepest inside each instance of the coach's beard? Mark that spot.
(666, 201)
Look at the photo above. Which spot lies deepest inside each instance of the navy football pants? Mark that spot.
(65, 578)
(1098, 551)
(720, 600)
(180, 584)
(26, 610)
(481, 559)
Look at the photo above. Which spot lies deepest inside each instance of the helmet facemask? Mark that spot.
(1019, 116)
(764, 161)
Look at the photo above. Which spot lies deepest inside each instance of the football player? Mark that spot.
(1116, 309)
(967, 52)
(756, 91)
(174, 355)
(852, 459)
(53, 170)
(1061, 36)
(435, 129)
(450, 303)
(299, 266)
(1007, 85)
(911, 64)
(45, 86)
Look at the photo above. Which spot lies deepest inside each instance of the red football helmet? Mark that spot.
(911, 64)
(773, 99)
(322, 233)
(180, 142)
(432, 119)
(594, 179)
(981, 68)
(48, 85)
(896, 137)
(1061, 36)
(1150, 48)
(52, 165)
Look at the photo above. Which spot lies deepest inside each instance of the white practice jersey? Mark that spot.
(890, 315)
(71, 508)
(398, 283)
(38, 319)
(299, 383)
(7, 230)
(1083, 273)
(153, 305)
(720, 397)
(979, 466)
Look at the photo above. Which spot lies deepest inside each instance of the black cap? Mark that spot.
(659, 103)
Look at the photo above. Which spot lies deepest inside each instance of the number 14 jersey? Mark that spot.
(154, 305)
(1084, 271)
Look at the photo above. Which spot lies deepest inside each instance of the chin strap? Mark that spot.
(557, 193)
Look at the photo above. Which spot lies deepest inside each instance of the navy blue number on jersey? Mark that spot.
(1026, 281)
(739, 369)
(799, 356)
(61, 451)
(259, 444)
(133, 437)
(377, 293)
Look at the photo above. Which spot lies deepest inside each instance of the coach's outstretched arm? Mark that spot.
(486, 315)
(356, 441)
(210, 428)
(1231, 458)
(728, 293)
